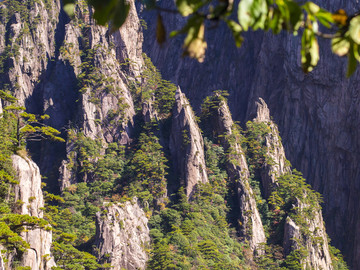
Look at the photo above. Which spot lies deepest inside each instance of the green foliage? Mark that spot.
(23, 127)
(196, 233)
(72, 217)
(67, 257)
(150, 87)
(147, 170)
(337, 259)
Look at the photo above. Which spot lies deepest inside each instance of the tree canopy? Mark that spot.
(296, 17)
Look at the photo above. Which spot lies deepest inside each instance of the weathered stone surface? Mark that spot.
(317, 113)
(122, 236)
(29, 192)
(186, 145)
(291, 233)
(318, 250)
(148, 111)
(237, 169)
(275, 150)
(2, 266)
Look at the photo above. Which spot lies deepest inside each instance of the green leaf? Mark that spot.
(295, 14)
(160, 30)
(188, 7)
(354, 29)
(252, 13)
(236, 31)
(194, 43)
(275, 21)
(69, 9)
(325, 18)
(120, 14)
(309, 50)
(311, 8)
(352, 63)
(103, 10)
(340, 46)
(110, 11)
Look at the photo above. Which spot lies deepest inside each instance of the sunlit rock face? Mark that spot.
(237, 168)
(122, 236)
(187, 145)
(317, 113)
(29, 192)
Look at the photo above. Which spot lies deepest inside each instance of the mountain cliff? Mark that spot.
(142, 180)
(317, 112)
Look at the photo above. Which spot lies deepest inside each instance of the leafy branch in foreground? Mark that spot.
(265, 15)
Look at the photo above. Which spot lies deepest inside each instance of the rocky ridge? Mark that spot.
(317, 113)
(237, 169)
(310, 235)
(186, 145)
(276, 163)
(28, 192)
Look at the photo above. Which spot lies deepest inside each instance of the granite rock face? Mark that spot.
(317, 113)
(187, 145)
(318, 251)
(122, 236)
(318, 255)
(29, 192)
(275, 150)
(71, 70)
(251, 225)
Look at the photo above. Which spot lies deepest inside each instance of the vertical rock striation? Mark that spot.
(122, 236)
(317, 113)
(237, 169)
(277, 163)
(29, 193)
(186, 145)
(310, 235)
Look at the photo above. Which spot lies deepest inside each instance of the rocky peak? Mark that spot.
(307, 232)
(29, 196)
(122, 235)
(276, 163)
(186, 145)
(237, 169)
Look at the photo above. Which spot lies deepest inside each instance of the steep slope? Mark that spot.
(317, 113)
(29, 200)
(186, 145)
(294, 205)
(128, 134)
(217, 117)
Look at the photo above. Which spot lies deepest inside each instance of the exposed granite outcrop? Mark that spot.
(186, 145)
(316, 245)
(71, 70)
(122, 235)
(274, 150)
(315, 239)
(33, 44)
(317, 113)
(237, 169)
(29, 192)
